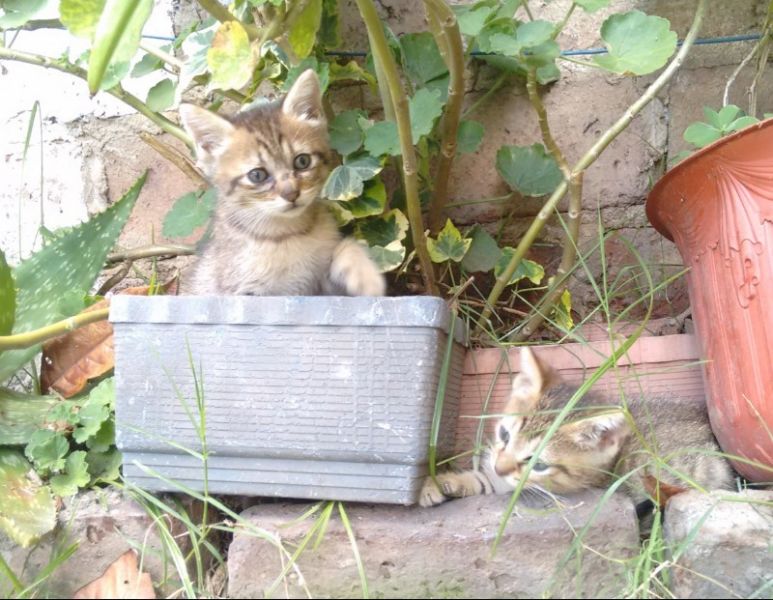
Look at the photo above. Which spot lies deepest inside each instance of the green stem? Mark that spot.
(505, 198)
(222, 14)
(498, 83)
(528, 10)
(588, 159)
(32, 338)
(36, 24)
(560, 27)
(448, 38)
(381, 50)
(176, 63)
(150, 252)
(117, 91)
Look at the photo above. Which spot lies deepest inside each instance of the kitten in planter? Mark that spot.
(596, 443)
(272, 234)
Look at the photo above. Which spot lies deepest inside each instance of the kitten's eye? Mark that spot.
(538, 467)
(302, 161)
(504, 435)
(257, 175)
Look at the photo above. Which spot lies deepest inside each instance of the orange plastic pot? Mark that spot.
(717, 207)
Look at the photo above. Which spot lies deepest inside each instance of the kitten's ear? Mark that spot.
(208, 130)
(602, 432)
(529, 384)
(304, 100)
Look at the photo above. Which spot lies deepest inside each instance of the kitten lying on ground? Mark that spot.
(272, 235)
(596, 443)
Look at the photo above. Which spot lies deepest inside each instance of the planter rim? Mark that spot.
(335, 311)
(657, 196)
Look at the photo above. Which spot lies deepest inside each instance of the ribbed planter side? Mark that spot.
(717, 207)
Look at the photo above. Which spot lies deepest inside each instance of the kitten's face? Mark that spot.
(582, 452)
(270, 161)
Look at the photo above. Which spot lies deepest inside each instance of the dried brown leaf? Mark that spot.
(660, 490)
(70, 360)
(122, 579)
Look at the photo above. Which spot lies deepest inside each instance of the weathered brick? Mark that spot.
(731, 550)
(444, 551)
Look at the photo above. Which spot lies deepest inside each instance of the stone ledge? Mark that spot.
(442, 552)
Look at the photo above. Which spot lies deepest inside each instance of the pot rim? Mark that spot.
(655, 197)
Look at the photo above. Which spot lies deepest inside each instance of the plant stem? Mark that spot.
(560, 27)
(117, 91)
(176, 63)
(36, 24)
(381, 50)
(32, 338)
(528, 10)
(222, 14)
(177, 158)
(736, 73)
(498, 83)
(588, 159)
(449, 39)
(763, 46)
(150, 252)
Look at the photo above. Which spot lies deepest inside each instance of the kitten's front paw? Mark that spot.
(430, 494)
(353, 269)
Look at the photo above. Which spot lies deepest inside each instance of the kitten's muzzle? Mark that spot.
(289, 191)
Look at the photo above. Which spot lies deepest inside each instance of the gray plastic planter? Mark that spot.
(304, 397)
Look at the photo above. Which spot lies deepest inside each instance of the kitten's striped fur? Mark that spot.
(595, 443)
(272, 235)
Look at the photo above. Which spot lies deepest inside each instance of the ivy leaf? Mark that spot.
(469, 136)
(371, 202)
(382, 139)
(342, 184)
(527, 269)
(80, 17)
(592, 5)
(425, 107)
(389, 257)
(161, 95)
(638, 44)
(450, 245)
(195, 48)
(27, 509)
(188, 213)
(7, 297)
(345, 132)
(528, 169)
(472, 18)
(382, 231)
(701, 134)
(483, 253)
(421, 57)
(366, 167)
(46, 449)
(116, 39)
(230, 57)
(75, 475)
(304, 30)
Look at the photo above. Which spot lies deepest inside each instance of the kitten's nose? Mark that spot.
(289, 191)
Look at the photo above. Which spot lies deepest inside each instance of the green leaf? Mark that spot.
(371, 202)
(23, 415)
(701, 134)
(388, 258)
(542, 55)
(472, 19)
(81, 16)
(425, 107)
(528, 169)
(69, 263)
(351, 71)
(104, 438)
(304, 30)
(345, 132)
(161, 95)
(421, 58)
(727, 114)
(310, 62)
(188, 213)
(230, 58)
(342, 184)
(483, 253)
(90, 419)
(450, 245)
(534, 33)
(712, 117)
(382, 231)
(592, 5)
(47, 449)
(195, 48)
(329, 34)
(562, 312)
(469, 136)
(75, 475)
(147, 64)
(638, 44)
(18, 12)
(548, 74)
(7, 297)
(366, 167)
(115, 42)
(382, 139)
(104, 466)
(527, 269)
(741, 123)
(27, 509)
(496, 34)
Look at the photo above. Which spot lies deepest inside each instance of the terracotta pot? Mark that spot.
(717, 206)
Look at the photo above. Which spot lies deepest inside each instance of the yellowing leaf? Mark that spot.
(450, 245)
(230, 58)
(304, 30)
(122, 579)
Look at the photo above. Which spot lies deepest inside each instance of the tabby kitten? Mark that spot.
(596, 443)
(272, 235)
